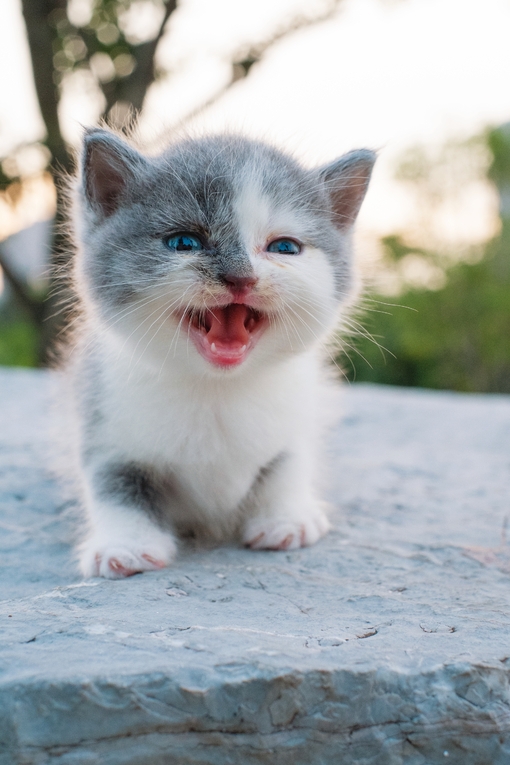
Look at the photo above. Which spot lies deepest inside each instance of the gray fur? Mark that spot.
(196, 372)
(135, 485)
(192, 187)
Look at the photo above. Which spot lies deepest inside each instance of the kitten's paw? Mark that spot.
(285, 533)
(121, 558)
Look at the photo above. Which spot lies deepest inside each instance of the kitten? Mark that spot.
(209, 278)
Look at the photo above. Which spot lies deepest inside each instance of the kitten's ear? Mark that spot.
(109, 167)
(346, 181)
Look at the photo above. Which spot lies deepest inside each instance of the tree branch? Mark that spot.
(244, 60)
(255, 52)
(133, 88)
(40, 40)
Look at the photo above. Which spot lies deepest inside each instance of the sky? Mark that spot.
(387, 74)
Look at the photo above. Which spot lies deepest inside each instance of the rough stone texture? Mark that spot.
(386, 643)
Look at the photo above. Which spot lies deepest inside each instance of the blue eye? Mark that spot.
(284, 247)
(183, 243)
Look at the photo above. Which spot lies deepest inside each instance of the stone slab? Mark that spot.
(387, 643)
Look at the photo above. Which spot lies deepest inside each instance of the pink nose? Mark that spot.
(240, 283)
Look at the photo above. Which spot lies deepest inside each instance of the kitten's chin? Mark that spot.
(225, 336)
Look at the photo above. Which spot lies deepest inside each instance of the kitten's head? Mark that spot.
(220, 254)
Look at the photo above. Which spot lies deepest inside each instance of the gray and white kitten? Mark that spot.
(209, 279)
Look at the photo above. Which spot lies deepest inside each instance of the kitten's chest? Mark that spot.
(215, 442)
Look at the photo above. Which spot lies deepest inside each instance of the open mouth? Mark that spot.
(225, 336)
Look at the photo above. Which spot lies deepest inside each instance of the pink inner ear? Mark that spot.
(346, 201)
(106, 177)
(348, 194)
(346, 182)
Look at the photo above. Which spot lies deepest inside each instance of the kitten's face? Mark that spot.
(219, 255)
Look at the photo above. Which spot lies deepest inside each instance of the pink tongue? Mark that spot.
(227, 325)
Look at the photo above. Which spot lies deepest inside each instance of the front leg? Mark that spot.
(284, 511)
(125, 504)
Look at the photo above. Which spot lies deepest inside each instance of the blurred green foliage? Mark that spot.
(18, 343)
(457, 337)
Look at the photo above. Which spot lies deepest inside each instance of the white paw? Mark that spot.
(118, 558)
(280, 533)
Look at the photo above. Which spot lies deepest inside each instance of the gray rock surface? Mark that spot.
(387, 643)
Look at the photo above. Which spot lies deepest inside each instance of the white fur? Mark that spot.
(214, 430)
(214, 435)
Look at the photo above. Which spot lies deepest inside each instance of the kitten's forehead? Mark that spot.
(235, 183)
(260, 213)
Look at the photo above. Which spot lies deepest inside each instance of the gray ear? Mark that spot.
(346, 182)
(109, 168)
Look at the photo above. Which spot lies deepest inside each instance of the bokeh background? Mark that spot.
(425, 82)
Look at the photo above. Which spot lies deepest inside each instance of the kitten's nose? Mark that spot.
(239, 284)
